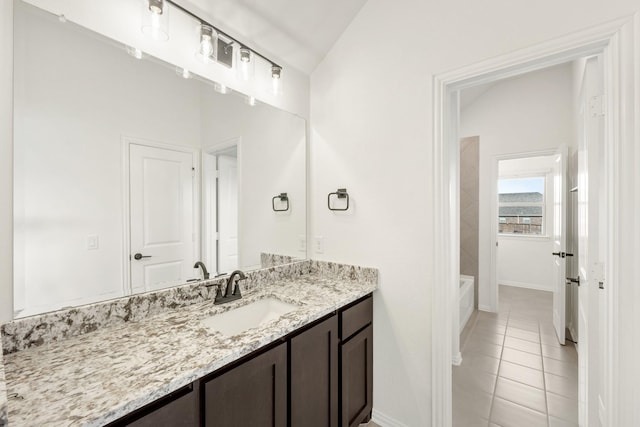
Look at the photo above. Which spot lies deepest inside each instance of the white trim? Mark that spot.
(384, 420)
(535, 286)
(456, 360)
(485, 308)
(622, 58)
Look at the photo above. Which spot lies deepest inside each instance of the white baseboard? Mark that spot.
(485, 308)
(535, 286)
(456, 360)
(384, 420)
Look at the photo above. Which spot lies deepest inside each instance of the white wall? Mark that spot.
(371, 127)
(520, 115)
(526, 261)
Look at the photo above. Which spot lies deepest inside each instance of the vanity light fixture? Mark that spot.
(155, 19)
(135, 52)
(208, 44)
(155, 22)
(246, 63)
(276, 79)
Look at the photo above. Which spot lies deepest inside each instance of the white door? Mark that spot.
(227, 213)
(559, 241)
(591, 355)
(162, 224)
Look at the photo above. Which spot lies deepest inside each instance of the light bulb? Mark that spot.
(251, 101)
(276, 79)
(245, 63)
(220, 88)
(207, 44)
(135, 52)
(183, 72)
(155, 19)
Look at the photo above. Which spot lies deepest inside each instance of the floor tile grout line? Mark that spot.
(495, 386)
(544, 377)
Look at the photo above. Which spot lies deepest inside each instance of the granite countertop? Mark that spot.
(96, 378)
(3, 394)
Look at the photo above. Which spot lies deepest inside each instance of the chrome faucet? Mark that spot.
(205, 273)
(232, 292)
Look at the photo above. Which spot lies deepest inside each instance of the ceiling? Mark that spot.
(297, 32)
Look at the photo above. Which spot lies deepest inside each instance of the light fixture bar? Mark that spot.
(202, 21)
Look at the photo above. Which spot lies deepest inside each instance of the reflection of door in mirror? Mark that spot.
(220, 203)
(161, 216)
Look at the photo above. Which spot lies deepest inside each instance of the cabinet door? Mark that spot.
(253, 393)
(356, 356)
(314, 376)
(178, 409)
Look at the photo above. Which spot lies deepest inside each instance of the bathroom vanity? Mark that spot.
(312, 365)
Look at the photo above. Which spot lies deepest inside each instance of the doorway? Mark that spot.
(615, 42)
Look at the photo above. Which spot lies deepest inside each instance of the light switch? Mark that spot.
(319, 245)
(92, 242)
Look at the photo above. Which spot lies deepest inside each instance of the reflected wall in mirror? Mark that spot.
(127, 173)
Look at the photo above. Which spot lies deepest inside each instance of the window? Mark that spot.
(521, 206)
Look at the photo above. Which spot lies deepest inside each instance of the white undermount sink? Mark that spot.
(252, 315)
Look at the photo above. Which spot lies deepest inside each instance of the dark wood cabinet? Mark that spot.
(178, 409)
(314, 376)
(356, 364)
(253, 393)
(319, 376)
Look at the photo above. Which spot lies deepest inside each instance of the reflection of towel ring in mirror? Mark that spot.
(341, 193)
(283, 198)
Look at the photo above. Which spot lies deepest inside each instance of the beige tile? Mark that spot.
(566, 353)
(521, 374)
(558, 367)
(526, 325)
(473, 380)
(495, 329)
(466, 420)
(488, 337)
(522, 334)
(550, 340)
(563, 386)
(562, 407)
(522, 358)
(478, 346)
(521, 394)
(507, 414)
(481, 362)
(522, 345)
(557, 422)
(469, 404)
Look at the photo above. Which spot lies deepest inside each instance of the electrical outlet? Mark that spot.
(319, 245)
(92, 242)
(302, 243)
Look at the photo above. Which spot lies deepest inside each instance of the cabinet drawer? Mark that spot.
(355, 318)
(178, 409)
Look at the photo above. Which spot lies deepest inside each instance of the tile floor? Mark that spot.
(514, 373)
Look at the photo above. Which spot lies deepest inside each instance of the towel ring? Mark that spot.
(340, 193)
(283, 198)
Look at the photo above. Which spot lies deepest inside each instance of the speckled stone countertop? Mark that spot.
(3, 394)
(96, 378)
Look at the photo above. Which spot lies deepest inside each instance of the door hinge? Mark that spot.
(217, 236)
(193, 171)
(596, 106)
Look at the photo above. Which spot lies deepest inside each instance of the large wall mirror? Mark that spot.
(128, 171)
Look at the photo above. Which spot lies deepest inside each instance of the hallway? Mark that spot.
(514, 372)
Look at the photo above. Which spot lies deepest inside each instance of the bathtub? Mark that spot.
(466, 299)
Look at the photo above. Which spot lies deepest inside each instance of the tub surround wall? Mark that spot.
(469, 208)
(34, 331)
(94, 378)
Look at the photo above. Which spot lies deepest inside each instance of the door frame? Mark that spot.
(209, 251)
(615, 40)
(126, 142)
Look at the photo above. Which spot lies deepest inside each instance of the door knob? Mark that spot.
(140, 256)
